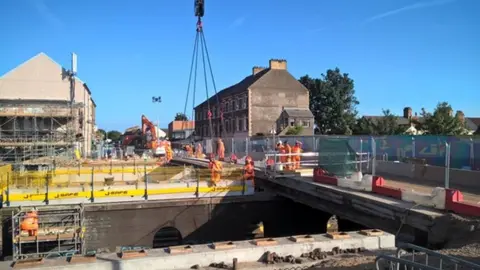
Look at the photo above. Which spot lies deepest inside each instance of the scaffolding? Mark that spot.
(29, 132)
(60, 233)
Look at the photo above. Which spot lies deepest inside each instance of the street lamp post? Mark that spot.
(157, 100)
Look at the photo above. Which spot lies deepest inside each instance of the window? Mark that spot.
(306, 123)
(227, 125)
(240, 124)
(230, 107)
(245, 123)
(204, 131)
(227, 106)
(234, 104)
(245, 102)
(292, 123)
(214, 111)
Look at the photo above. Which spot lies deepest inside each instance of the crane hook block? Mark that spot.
(199, 8)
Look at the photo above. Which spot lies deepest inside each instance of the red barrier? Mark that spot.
(320, 177)
(454, 202)
(379, 187)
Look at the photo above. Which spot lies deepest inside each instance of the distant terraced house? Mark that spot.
(406, 121)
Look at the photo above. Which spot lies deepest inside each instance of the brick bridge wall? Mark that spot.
(198, 220)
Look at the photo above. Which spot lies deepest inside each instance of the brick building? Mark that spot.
(255, 105)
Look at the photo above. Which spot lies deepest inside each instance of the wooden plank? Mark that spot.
(301, 238)
(338, 235)
(265, 242)
(44, 238)
(180, 249)
(129, 254)
(373, 232)
(82, 259)
(223, 245)
(28, 263)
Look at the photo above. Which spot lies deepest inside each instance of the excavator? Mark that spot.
(145, 138)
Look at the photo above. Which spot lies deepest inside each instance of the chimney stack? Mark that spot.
(461, 116)
(256, 70)
(407, 112)
(278, 64)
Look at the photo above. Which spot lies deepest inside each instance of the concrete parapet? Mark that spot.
(123, 193)
(465, 180)
(243, 251)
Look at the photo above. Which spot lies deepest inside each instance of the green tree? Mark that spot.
(296, 130)
(101, 134)
(442, 121)
(364, 126)
(332, 101)
(385, 125)
(388, 124)
(114, 135)
(181, 117)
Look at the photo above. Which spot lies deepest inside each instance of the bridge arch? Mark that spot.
(167, 236)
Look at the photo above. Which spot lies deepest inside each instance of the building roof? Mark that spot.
(298, 112)
(265, 79)
(41, 78)
(471, 123)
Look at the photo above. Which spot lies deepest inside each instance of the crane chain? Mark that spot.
(205, 58)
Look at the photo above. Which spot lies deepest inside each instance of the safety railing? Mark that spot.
(281, 163)
(92, 183)
(430, 257)
(394, 263)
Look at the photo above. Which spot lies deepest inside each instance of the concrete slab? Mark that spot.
(244, 251)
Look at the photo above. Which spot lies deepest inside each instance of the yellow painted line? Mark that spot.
(114, 193)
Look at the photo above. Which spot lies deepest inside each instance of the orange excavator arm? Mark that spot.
(146, 124)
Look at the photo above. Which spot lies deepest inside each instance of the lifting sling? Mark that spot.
(200, 41)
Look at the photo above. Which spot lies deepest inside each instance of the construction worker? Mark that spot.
(199, 151)
(30, 223)
(168, 151)
(288, 151)
(220, 150)
(248, 171)
(216, 168)
(296, 151)
(189, 150)
(233, 158)
(281, 150)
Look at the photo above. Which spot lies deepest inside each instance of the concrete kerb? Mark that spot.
(244, 251)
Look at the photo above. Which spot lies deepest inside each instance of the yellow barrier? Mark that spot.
(112, 193)
(84, 176)
(5, 174)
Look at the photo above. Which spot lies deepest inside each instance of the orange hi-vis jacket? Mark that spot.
(216, 168)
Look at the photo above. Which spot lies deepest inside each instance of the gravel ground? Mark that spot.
(364, 260)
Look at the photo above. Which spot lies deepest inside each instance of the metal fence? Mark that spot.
(432, 149)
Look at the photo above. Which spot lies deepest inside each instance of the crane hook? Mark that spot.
(199, 8)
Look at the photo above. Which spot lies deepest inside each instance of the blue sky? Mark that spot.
(399, 52)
